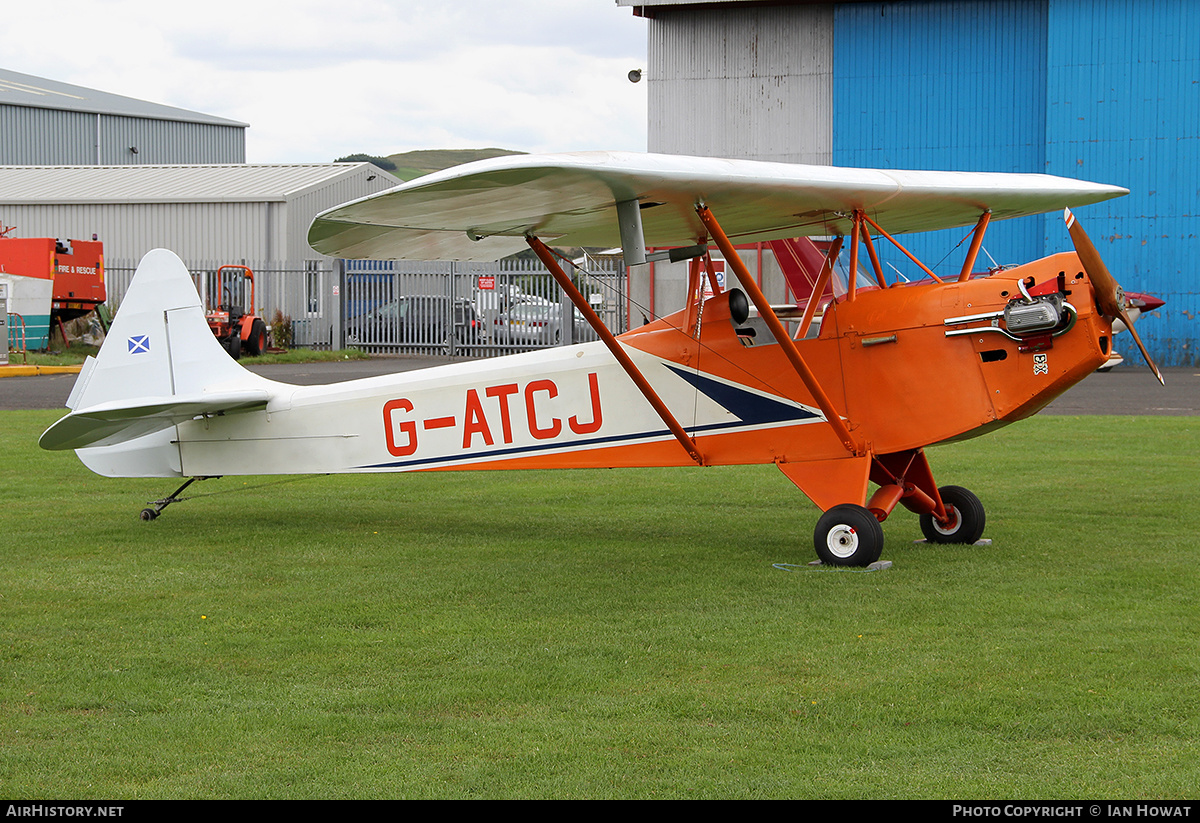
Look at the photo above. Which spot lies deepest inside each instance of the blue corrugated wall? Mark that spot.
(1123, 91)
(958, 86)
(1106, 91)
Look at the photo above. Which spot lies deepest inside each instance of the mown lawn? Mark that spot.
(620, 634)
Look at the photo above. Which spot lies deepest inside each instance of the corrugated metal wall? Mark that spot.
(1123, 91)
(302, 207)
(1101, 91)
(751, 82)
(957, 86)
(199, 230)
(161, 142)
(269, 235)
(227, 212)
(1106, 91)
(32, 136)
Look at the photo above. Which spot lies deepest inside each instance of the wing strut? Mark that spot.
(818, 289)
(785, 341)
(544, 254)
(862, 217)
(976, 242)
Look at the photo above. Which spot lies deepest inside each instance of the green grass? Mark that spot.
(73, 355)
(622, 634)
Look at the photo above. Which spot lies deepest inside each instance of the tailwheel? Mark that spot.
(155, 507)
(965, 514)
(848, 535)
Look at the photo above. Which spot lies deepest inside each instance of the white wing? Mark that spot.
(483, 210)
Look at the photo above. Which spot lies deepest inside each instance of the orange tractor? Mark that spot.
(233, 320)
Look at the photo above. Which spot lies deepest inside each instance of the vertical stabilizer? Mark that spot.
(159, 344)
(160, 365)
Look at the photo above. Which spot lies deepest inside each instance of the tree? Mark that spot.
(381, 162)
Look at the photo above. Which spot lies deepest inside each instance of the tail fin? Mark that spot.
(160, 365)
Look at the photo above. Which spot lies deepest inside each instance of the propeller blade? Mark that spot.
(1109, 294)
(1110, 297)
(1128, 321)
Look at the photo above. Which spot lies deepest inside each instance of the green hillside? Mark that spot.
(412, 164)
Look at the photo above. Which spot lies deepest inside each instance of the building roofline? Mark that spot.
(28, 91)
(157, 184)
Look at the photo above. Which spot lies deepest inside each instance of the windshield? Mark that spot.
(841, 275)
(802, 260)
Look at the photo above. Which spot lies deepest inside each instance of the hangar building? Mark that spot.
(1108, 92)
(44, 122)
(255, 215)
(78, 162)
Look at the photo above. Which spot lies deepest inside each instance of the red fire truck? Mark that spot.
(75, 268)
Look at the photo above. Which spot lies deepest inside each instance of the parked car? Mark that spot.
(536, 324)
(421, 319)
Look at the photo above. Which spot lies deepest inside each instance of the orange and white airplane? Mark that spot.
(841, 391)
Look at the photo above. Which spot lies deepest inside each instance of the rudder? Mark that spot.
(160, 365)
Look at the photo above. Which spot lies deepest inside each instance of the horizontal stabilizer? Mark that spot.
(107, 424)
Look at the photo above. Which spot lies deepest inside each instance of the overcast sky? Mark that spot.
(317, 80)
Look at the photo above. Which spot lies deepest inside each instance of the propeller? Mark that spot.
(1110, 297)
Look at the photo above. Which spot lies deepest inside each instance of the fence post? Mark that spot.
(338, 275)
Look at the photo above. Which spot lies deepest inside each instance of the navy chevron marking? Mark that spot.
(752, 409)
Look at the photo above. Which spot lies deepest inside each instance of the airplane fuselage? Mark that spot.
(898, 372)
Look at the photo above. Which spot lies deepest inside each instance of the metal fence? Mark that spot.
(475, 309)
(405, 307)
(303, 292)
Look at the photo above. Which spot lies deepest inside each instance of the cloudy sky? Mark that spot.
(317, 80)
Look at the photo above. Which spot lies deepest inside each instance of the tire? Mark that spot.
(256, 343)
(848, 535)
(967, 514)
(233, 345)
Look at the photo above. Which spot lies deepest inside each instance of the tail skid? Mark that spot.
(160, 366)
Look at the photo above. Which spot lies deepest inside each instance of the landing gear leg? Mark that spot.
(154, 509)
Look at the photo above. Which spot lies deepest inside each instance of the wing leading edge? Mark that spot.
(483, 210)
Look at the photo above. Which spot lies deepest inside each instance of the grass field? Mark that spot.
(620, 634)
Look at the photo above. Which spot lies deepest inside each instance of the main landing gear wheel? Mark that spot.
(966, 514)
(848, 535)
